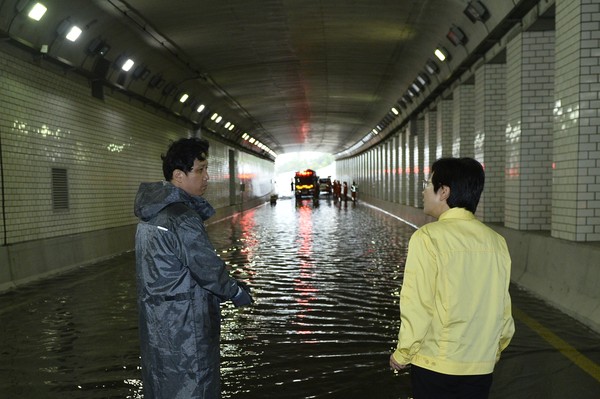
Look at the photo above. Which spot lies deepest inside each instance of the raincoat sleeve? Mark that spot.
(416, 297)
(200, 257)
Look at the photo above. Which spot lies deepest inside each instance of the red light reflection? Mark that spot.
(305, 291)
(246, 225)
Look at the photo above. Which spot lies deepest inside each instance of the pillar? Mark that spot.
(463, 135)
(490, 143)
(576, 151)
(444, 128)
(529, 97)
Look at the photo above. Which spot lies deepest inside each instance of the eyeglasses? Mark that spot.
(426, 183)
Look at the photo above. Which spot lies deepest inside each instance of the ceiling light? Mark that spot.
(423, 79)
(231, 127)
(200, 108)
(456, 36)
(140, 72)
(156, 82)
(476, 11)
(37, 11)
(227, 125)
(219, 119)
(67, 30)
(395, 111)
(184, 98)
(74, 33)
(442, 54)
(414, 88)
(169, 89)
(127, 65)
(214, 116)
(431, 67)
(98, 47)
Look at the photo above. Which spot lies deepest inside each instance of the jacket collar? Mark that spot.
(457, 213)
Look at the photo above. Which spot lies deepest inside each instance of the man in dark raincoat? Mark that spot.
(180, 280)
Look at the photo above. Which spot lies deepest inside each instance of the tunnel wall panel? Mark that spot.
(51, 122)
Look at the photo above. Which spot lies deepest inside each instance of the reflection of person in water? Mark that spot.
(354, 191)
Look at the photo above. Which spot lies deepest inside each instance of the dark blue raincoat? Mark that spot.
(181, 282)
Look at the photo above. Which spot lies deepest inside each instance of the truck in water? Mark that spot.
(306, 184)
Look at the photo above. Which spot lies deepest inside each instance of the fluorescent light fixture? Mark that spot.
(476, 11)
(37, 11)
(395, 111)
(127, 65)
(423, 79)
(252, 140)
(156, 82)
(184, 98)
(442, 54)
(74, 33)
(98, 47)
(169, 89)
(231, 127)
(227, 125)
(431, 67)
(214, 116)
(415, 87)
(140, 72)
(219, 119)
(456, 36)
(200, 108)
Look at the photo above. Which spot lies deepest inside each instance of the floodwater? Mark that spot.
(325, 279)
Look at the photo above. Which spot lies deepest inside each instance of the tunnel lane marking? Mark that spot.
(559, 344)
(414, 226)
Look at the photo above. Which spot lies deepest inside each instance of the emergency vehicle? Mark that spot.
(306, 184)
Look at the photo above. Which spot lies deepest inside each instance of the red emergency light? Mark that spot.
(305, 173)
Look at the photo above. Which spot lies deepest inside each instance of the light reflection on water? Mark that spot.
(325, 280)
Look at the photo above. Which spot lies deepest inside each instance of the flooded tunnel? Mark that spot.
(325, 277)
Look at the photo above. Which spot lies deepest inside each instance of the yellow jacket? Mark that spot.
(455, 309)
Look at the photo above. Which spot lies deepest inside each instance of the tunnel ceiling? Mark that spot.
(296, 75)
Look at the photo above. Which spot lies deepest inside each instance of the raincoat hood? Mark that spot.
(154, 197)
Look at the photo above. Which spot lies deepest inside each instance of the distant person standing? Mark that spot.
(180, 280)
(455, 308)
(354, 191)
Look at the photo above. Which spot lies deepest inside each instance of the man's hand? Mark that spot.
(395, 365)
(242, 297)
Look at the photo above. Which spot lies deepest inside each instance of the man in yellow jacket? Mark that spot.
(455, 309)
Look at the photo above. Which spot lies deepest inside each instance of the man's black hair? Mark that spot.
(464, 176)
(182, 154)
